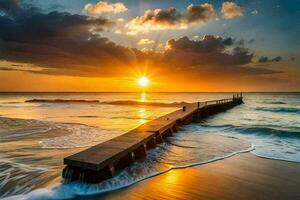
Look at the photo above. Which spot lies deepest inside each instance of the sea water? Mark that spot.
(35, 136)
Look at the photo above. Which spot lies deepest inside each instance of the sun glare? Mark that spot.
(143, 81)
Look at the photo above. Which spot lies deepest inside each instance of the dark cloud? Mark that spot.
(265, 59)
(155, 19)
(171, 18)
(244, 42)
(228, 41)
(168, 17)
(35, 26)
(199, 13)
(251, 41)
(59, 40)
(10, 7)
(210, 50)
(211, 56)
(16, 70)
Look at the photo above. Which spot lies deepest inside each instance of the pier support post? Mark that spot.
(167, 133)
(178, 122)
(189, 119)
(140, 152)
(124, 161)
(158, 138)
(174, 129)
(71, 173)
(90, 176)
(151, 144)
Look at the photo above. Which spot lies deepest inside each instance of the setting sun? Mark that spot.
(143, 81)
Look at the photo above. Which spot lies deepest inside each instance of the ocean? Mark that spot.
(36, 135)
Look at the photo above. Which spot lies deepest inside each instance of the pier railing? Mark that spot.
(221, 101)
(104, 160)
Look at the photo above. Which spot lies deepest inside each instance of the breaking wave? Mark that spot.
(19, 178)
(277, 102)
(255, 130)
(79, 136)
(279, 109)
(22, 132)
(66, 135)
(269, 142)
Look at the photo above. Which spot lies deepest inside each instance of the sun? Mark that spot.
(143, 81)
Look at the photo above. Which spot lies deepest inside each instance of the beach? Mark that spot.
(243, 176)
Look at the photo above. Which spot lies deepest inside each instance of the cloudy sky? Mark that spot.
(89, 45)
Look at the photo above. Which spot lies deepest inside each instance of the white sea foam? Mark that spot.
(79, 136)
(23, 177)
(23, 132)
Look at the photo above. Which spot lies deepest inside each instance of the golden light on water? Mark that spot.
(143, 81)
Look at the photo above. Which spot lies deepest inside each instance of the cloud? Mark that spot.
(10, 6)
(199, 13)
(157, 19)
(209, 56)
(254, 12)
(265, 59)
(171, 18)
(145, 41)
(104, 7)
(210, 50)
(230, 10)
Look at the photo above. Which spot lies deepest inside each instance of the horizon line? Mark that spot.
(148, 92)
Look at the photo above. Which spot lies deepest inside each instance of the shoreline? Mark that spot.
(243, 176)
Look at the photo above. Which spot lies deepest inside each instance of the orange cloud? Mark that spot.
(230, 10)
(104, 7)
(145, 41)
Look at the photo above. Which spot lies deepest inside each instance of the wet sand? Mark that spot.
(244, 176)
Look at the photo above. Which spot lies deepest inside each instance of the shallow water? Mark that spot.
(36, 136)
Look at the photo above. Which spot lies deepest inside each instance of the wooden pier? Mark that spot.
(104, 160)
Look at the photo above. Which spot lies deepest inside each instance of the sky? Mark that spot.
(181, 46)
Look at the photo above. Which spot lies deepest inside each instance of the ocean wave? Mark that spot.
(274, 157)
(274, 102)
(258, 130)
(61, 101)
(277, 102)
(12, 134)
(79, 136)
(19, 178)
(65, 135)
(265, 131)
(279, 109)
(120, 102)
(141, 170)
